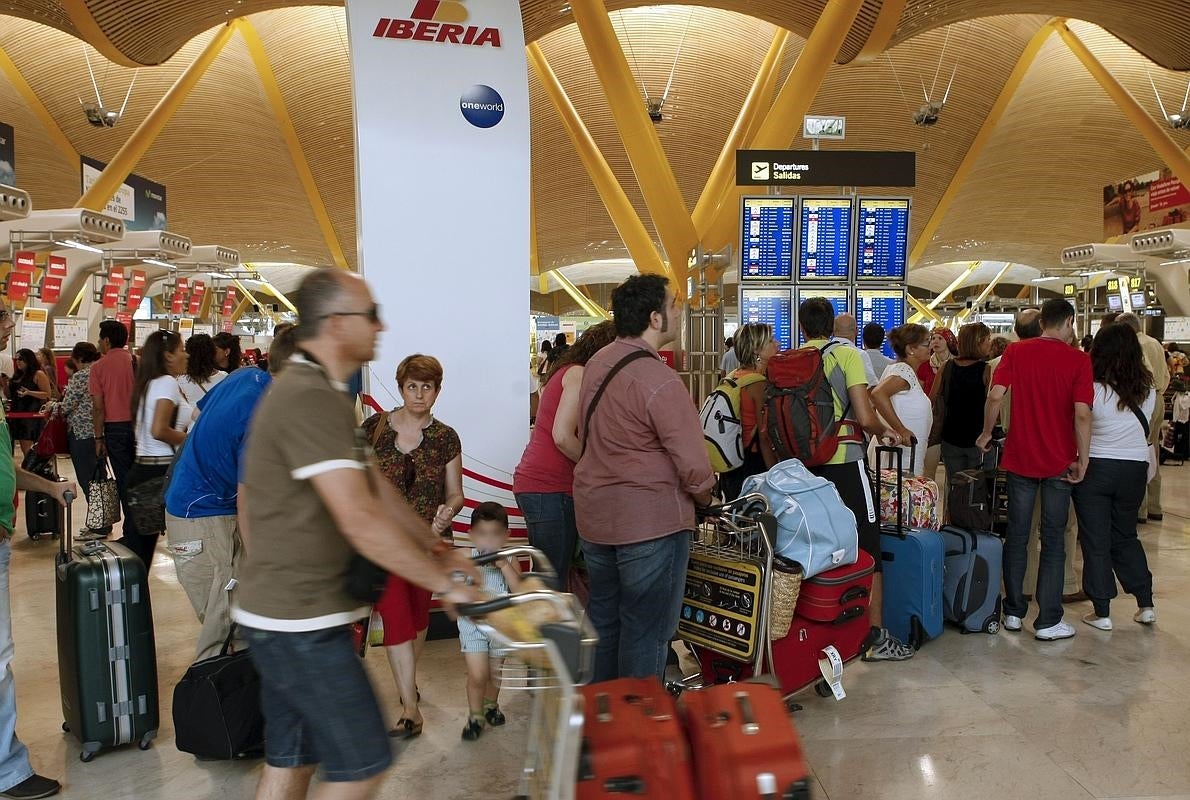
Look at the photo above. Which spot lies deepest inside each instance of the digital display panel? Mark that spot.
(884, 306)
(882, 249)
(767, 238)
(772, 306)
(1139, 300)
(839, 297)
(1115, 302)
(825, 253)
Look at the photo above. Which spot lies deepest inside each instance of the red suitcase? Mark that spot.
(633, 742)
(744, 744)
(832, 609)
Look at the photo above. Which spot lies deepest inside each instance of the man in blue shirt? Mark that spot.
(200, 503)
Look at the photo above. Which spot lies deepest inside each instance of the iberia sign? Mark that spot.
(439, 21)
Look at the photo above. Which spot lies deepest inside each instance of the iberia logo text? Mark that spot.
(441, 21)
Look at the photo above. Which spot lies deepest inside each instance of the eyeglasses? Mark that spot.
(372, 314)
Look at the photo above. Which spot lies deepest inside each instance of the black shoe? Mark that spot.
(1156, 517)
(33, 787)
(494, 716)
(472, 730)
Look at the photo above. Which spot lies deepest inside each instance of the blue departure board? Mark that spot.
(885, 306)
(883, 239)
(772, 306)
(825, 253)
(839, 296)
(766, 239)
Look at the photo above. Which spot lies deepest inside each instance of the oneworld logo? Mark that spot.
(440, 21)
(482, 106)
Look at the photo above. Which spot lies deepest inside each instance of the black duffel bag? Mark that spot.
(217, 707)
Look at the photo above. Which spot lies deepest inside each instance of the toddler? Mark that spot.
(489, 532)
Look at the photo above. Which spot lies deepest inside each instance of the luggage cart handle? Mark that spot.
(739, 504)
(483, 608)
(543, 566)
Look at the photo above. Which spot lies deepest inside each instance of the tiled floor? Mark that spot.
(1104, 715)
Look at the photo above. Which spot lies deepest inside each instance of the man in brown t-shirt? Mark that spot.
(313, 501)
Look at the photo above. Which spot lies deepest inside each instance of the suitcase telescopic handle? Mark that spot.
(66, 540)
(899, 468)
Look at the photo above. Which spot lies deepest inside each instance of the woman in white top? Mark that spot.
(155, 402)
(202, 374)
(899, 398)
(1108, 498)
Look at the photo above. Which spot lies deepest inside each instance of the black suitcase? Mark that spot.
(107, 658)
(217, 707)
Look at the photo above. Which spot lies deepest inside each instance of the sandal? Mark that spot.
(406, 729)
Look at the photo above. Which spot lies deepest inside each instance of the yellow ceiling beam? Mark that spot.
(543, 283)
(966, 312)
(945, 293)
(1155, 134)
(92, 34)
(277, 293)
(593, 309)
(1024, 292)
(722, 177)
(882, 31)
(656, 178)
(628, 224)
(242, 308)
(272, 91)
(923, 309)
(793, 101)
(125, 161)
(208, 300)
(975, 150)
(10, 70)
(534, 259)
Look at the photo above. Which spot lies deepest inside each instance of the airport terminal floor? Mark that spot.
(1102, 715)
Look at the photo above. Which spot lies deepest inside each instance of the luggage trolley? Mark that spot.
(727, 601)
(548, 668)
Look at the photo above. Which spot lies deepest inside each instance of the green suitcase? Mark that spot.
(107, 658)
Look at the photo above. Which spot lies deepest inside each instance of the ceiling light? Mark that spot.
(222, 275)
(1046, 279)
(77, 245)
(157, 263)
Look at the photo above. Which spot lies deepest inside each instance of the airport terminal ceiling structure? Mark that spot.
(258, 154)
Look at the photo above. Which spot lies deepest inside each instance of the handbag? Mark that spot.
(146, 505)
(217, 707)
(53, 440)
(103, 499)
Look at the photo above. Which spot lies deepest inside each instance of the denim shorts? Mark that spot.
(318, 704)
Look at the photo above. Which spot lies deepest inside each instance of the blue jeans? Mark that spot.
(318, 704)
(14, 756)
(552, 529)
(82, 456)
(121, 451)
(636, 596)
(1055, 508)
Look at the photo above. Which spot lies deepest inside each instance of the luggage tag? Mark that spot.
(831, 668)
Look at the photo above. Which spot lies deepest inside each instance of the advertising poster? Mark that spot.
(125, 319)
(196, 294)
(8, 155)
(51, 290)
(1149, 201)
(34, 322)
(140, 202)
(18, 285)
(111, 295)
(24, 261)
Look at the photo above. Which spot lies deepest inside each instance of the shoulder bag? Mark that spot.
(364, 580)
(1152, 449)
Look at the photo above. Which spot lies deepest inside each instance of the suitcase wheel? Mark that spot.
(822, 689)
(86, 756)
(146, 742)
(35, 537)
(992, 626)
(65, 728)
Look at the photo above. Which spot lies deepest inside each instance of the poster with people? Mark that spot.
(8, 155)
(1149, 201)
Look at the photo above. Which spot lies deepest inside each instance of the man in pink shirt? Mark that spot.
(111, 397)
(644, 468)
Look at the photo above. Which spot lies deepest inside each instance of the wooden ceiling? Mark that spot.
(1034, 189)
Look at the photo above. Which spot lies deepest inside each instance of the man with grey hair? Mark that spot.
(846, 331)
(1154, 355)
(318, 504)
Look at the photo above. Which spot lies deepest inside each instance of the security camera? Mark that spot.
(99, 116)
(1179, 122)
(927, 114)
(654, 106)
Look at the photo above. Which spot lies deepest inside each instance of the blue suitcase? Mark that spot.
(971, 579)
(912, 559)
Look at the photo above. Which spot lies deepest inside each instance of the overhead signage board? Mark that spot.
(825, 168)
(767, 238)
(882, 237)
(815, 126)
(140, 202)
(882, 305)
(839, 297)
(825, 254)
(772, 306)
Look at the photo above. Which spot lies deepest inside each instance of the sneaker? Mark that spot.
(1145, 616)
(1096, 621)
(1012, 623)
(888, 648)
(472, 730)
(1054, 632)
(494, 716)
(33, 787)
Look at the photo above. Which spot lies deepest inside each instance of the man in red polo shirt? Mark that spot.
(111, 397)
(1046, 451)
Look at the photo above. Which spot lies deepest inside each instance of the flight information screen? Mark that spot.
(839, 297)
(767, 240)
(826, 239)
(772, 307)
(884, 306)
(883, 234)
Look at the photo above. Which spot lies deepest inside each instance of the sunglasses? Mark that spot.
(372, 314)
